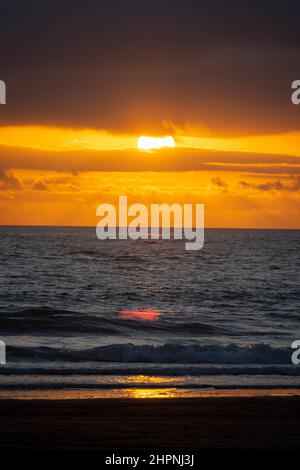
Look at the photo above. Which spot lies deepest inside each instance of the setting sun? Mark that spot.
(151, 143)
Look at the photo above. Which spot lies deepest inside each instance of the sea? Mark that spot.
(79, 313)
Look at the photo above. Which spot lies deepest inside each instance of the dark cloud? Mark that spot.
(177, 159)
(278, 185)
(39, 186)
(220, 183)
(8, 181)
(131, 65)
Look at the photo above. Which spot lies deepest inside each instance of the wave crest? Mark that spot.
(168, 353)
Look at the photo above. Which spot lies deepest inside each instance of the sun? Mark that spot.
(151, 143)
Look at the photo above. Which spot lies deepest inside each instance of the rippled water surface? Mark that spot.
(77, 312)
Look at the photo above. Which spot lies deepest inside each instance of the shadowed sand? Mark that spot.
(109, 424)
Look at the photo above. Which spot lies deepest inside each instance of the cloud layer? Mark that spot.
(131, 66)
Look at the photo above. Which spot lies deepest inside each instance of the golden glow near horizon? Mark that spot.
(61, 139)
(57, 176)
(152, 143)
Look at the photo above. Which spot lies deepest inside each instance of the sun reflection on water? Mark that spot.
(147, 315)
(148, 379)
(152, 393)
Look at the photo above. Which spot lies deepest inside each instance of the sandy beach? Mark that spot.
(232, 422)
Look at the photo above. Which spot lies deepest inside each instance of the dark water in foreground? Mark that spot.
(76, 312)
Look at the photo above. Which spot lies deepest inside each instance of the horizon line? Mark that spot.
(94, 226)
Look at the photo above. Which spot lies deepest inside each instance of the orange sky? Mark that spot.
(58, 176)
(84, 84)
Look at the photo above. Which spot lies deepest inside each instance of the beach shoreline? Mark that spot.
(215, 422)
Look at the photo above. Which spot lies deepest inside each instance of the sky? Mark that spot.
(86, 78)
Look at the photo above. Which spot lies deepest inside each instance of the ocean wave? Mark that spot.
(68, 370)
(41, 320)
(96, 386)
(168, 353)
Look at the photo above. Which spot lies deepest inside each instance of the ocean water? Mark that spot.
(80, 313)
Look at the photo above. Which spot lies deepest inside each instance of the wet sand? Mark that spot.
(215, 422)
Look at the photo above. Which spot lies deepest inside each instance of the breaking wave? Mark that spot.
(168, 353)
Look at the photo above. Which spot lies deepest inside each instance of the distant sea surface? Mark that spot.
(80, 313)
